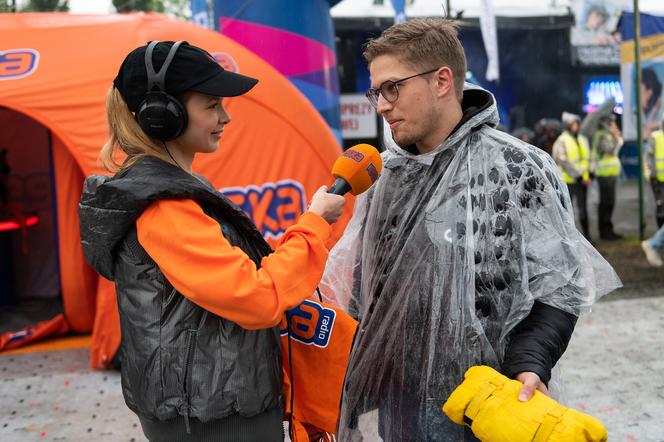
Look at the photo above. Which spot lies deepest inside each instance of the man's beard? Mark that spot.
(414, 137)
(405, 140)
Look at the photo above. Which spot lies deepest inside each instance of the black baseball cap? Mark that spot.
(192, 69)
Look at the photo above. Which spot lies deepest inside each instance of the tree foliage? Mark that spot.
(138, 5)
(178, 8)
(46, 6)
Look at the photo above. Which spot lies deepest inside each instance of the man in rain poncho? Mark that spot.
(463, 253)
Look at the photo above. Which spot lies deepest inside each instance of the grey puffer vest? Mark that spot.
(177, 358)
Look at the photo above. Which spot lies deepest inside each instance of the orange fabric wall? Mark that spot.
(78, 280)
(276, 134)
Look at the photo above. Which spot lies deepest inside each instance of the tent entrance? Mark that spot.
(30, 289)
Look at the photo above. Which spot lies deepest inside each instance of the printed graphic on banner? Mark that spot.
(310, 323)
(597, 21)
(594, 36)
(273, 207)
(18, 63)
(652, 75)
(652, 79)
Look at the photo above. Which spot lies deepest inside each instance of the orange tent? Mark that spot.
(56, 69)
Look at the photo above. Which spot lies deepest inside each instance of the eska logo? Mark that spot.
(354, 155)
(310, 323)
(225, 61)
(372, 172)
(18, 63)
(273, 207)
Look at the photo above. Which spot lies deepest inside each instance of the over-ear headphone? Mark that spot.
(160, 115)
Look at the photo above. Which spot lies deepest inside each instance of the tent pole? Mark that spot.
(54, 208)
(637, 88)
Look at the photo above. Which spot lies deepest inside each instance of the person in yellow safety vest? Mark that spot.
(572, 155)
(654, 170)
(606, 144)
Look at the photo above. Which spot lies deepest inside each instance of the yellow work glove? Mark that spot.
(487, 401)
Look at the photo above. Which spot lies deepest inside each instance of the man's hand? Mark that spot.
(531, 382)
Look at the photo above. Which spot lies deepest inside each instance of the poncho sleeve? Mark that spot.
(564, 270)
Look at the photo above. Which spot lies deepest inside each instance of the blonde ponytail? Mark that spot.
(126, 135)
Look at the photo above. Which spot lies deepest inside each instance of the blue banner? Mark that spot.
(650, 25)
(399, 10)
(297, 38)
(200, 13)
(652, 75)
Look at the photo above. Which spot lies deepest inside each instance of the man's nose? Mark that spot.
(383, 105)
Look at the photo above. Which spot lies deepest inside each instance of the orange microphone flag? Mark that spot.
(321, 336)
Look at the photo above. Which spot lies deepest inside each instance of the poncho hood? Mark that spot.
(479, 108)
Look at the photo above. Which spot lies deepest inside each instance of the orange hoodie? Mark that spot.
(200, 263)
(192, 253)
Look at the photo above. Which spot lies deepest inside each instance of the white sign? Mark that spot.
(358, 117)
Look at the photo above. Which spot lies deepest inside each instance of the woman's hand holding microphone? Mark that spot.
(327, 205)
(355, 171)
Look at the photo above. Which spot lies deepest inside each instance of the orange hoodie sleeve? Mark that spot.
(191, 251)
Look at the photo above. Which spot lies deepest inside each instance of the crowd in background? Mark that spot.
(588, 150)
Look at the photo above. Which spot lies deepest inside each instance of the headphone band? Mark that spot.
(158, 79)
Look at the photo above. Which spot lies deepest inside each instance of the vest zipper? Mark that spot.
(187, 364)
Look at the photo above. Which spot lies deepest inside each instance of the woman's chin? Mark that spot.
(213, 146)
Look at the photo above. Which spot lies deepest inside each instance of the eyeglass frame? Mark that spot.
(372, 92)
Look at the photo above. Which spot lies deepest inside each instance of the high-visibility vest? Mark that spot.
(578, 154)
(659, 154)
(606, 165)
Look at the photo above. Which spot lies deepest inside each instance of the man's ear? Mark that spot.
(444, 81)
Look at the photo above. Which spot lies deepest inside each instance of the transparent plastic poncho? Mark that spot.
(444, 255)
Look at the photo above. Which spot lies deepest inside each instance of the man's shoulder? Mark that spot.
(512, 149)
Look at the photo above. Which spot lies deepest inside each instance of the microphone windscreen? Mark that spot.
(360, 166)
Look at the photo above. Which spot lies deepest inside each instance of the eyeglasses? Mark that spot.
(390, 89)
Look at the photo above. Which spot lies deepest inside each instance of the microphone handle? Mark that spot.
(340, 187)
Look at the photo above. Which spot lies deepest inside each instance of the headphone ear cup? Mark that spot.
(162, 116)
(179, 113)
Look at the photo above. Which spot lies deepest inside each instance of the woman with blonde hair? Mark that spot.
(200, 293)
